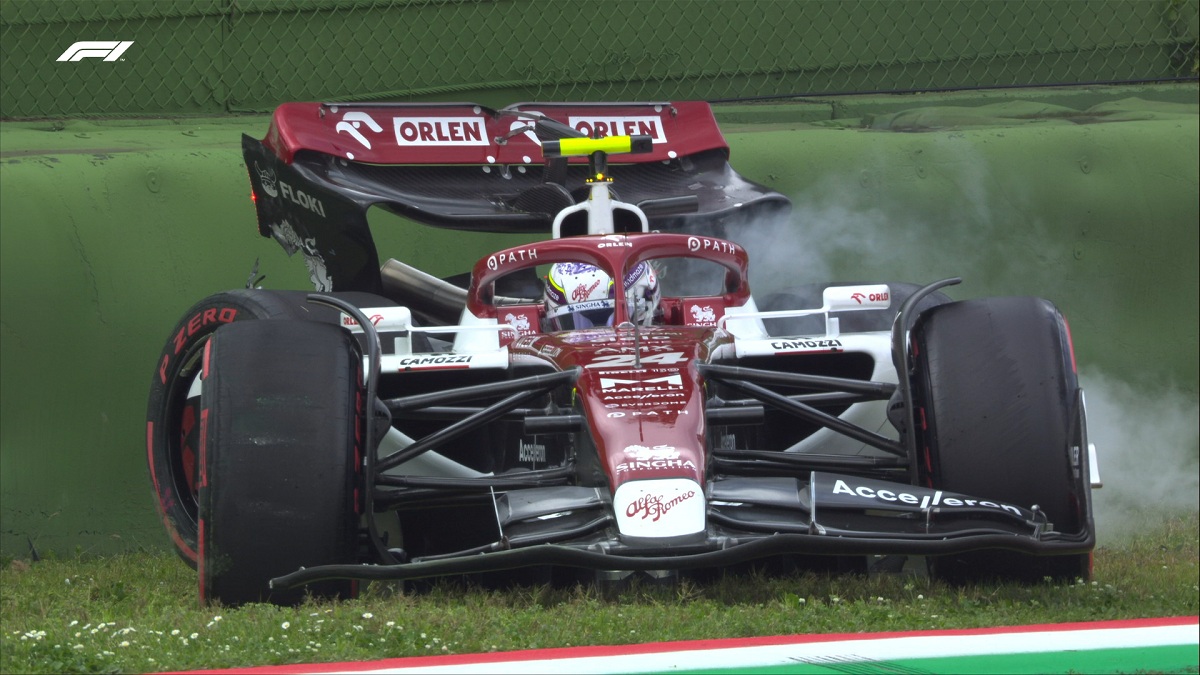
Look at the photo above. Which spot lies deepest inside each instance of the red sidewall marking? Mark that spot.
(203, 448)
(200, 566)
(207, 351)
(1070, 345)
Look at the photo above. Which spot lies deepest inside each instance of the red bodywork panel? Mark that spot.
(642, 394)
(465, 133)
(647, 420)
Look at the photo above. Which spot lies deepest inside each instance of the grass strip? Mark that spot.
(138, 612)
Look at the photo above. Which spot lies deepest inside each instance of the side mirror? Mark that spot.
(851, 298)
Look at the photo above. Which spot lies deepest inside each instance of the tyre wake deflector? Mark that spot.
(900, 328)
(372, 384)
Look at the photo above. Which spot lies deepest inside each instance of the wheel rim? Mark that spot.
(182, 434)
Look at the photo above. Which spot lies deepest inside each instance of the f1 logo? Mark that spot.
(109, 51)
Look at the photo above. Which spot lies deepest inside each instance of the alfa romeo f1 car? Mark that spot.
(394, 425)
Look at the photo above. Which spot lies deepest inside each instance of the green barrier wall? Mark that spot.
(110, 231)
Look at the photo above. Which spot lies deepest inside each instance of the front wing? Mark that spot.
(748, 518)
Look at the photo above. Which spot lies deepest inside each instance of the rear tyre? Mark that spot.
(994, 381)
(281, 426)
(810, 296)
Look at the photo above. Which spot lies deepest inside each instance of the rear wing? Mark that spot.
(467, 167)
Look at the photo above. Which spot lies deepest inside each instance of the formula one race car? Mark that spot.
(611, 399)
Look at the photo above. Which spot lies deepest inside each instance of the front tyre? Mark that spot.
(172, 416)
(172, 422)
(282, 426)
(994, 382)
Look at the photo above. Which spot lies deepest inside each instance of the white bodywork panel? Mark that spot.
(751, 340)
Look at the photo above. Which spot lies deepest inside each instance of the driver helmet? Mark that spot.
(579, 295)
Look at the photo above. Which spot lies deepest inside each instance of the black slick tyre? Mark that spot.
(282, 426)
(172, 422)
(172, 416)
(994, 383)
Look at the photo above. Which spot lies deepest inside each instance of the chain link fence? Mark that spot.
(224, 56)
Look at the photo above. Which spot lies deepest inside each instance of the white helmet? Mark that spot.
(579, 295)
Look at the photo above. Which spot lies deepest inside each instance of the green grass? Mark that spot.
(138, 612)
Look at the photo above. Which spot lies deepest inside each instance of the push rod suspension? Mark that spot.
(877, 390)
(538, 383)
(811, 414)
(463, 426)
